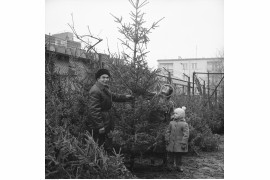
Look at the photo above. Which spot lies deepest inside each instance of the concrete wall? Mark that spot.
(64, 36)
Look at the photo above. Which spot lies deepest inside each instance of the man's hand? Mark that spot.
(101, 131)
(130, 97)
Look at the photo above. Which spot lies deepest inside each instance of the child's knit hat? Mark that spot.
(181, 111)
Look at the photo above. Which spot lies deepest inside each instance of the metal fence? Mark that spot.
(198, 86)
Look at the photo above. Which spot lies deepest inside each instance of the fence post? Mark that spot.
(193, 83)
(189, 86)
(203, 88)
(183, 89)
(208, 81)
(216, 96)
(49, 41)
(169, 77)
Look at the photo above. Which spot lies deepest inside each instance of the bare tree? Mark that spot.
(220, 54)
(85, 39)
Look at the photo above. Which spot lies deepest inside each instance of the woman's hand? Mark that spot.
(183, 146)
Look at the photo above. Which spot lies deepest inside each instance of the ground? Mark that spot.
(208, 165)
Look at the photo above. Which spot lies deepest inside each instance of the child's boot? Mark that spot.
(174, 163)
(180, 169)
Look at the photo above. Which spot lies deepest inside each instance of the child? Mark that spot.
(177, 136)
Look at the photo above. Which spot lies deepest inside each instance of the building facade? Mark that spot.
(63, 39)
(68, 53)
(184, 68)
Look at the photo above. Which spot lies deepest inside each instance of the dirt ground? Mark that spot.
(208, 165)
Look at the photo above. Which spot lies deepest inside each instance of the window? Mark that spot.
(167, 66)
(214, 66)
(194, 65)
(171, 71)
(185, 66)
(60, 42)
(183, 77)
(209, 66)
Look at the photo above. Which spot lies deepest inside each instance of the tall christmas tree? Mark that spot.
(135, 76)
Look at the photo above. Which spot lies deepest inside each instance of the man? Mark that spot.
(100, 122)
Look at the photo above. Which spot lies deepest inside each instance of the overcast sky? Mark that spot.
(188, 25)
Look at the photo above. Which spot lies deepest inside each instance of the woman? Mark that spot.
(162, 105)
(160, 115)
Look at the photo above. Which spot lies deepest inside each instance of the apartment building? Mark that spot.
(63, 40)
(182, 68)
(66, 49)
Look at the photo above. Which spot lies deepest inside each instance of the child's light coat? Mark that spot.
(177, 136)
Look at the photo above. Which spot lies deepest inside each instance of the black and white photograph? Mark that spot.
(134, 89)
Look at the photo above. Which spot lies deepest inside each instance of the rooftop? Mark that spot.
(189, 59)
